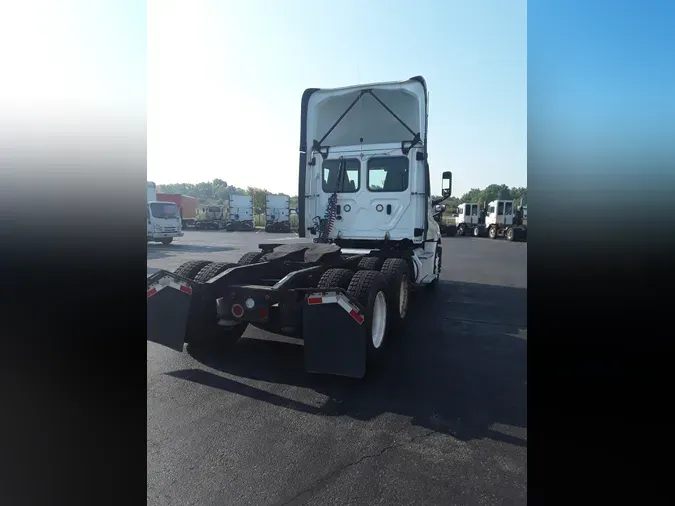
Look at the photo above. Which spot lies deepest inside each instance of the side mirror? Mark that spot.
(446, 184)
(440, 208)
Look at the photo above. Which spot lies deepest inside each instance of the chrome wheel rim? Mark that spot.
(403, 296)
(379, 323)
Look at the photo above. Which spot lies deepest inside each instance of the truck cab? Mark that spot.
(163, 222)
(503, 219)
(468, 218)
(240, 216)
(277, 213)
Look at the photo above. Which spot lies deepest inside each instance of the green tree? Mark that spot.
(259, 199)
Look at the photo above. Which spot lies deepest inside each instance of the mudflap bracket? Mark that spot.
(335, 335)
(169, 298)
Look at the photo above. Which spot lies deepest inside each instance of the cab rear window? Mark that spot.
(388, 174)
(351, 182)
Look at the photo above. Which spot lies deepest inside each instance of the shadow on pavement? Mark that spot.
(459, 367)
(156, 251)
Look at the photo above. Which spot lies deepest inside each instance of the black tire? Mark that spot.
(492, 233)
(268, 229)
(166, 242)
(510, 234)
(370, 264)
(397, 273)
(364, 288)
(191, 269)
(212, 270)
(461, 231)
(476, 231)
(205, 334)
(438, 261)
(250, 258)
(336, 278)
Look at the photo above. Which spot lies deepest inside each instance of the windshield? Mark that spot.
(164, 210)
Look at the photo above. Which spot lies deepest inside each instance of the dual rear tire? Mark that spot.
(384, 294)
(203, 331)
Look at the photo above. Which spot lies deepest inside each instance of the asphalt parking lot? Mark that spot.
(442, 421)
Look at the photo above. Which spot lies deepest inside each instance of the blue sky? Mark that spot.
(221, 74)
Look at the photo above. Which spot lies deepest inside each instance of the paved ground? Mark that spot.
(443, 421)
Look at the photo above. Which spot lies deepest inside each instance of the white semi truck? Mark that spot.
(503, 218)
(163, 218)
(240, 213)
(277, 213)
(366, 212)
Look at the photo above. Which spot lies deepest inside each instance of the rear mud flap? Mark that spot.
(335, 336)
(169, 298)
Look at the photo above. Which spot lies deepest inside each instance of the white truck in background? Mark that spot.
(469, 217)
(504, 218)
(240, 213)
(163, 221)
(277, 213)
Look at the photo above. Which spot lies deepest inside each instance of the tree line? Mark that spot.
(218, 192)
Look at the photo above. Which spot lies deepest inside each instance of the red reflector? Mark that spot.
(237, 310)
(152, 292)
(185, 289)
(262, 312)
(314, 300)
(356, 316)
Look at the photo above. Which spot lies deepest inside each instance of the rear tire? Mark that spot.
(212, 270)
(335, 278)
(250, 258)
(510, 234)
(370, 264)
(205, 334)
(476, 232)
(492, 233)
(397, 273)
(369, 289)
(191, 269)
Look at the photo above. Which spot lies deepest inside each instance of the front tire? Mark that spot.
(492, 233)
(438, 261)
(166, 242)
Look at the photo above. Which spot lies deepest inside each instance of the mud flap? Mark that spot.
(335, 336)
(169, 299)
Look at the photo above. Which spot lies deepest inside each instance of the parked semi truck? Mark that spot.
(213, 218)
(186, 205)
(500, 218)
(163, 218)
(240, 216)
(277, 213)
(367, 217)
